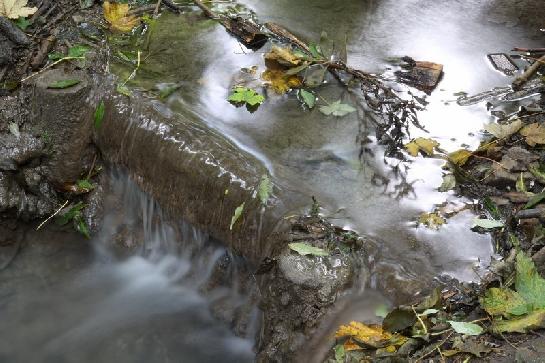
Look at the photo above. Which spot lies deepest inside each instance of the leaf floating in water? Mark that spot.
(308, 98)
(460, 157)
(117, 15)
(431, 220)
(99, 115)
(283, 55)
(503, 131)
(337, 109)
(449, 182)
(487, 223)
(466, 328)
(280, 81)
(243, 95)
(306, 249)
(421, 144)
(236, 215)
(65, 83)
(265, 189)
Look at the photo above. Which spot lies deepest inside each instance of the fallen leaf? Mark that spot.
(308, 98)
(117, 15)
(524, 324)
(305, 249)
(534, 134)
(243, 95)
(264, 189)
(280, 81)
(337, 109)
(468, 345)
(315, 75)
(421, 144)
(381, 311)
(236, 215)
(339, 353)
(535, 200)
(77, 51)
(349, 345)
(487, 223)
(283, 55)
(431, 220)
(13, 9)
(528, 283)
(371, 335)
(65, 83)
(538, 172)
(504, 302)
(123, 89)
(449, 182)
(398, 320)
(461, 327)
(460, 157)
(503, 131)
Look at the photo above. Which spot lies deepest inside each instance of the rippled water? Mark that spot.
(67, 300)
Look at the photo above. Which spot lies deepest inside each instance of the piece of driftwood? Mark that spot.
(522, 79)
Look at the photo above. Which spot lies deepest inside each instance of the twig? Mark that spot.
(157, 6)
(92, 167)
(438, 345)
(53, 215)
(522, 79)
(49, 66)
(420, 320)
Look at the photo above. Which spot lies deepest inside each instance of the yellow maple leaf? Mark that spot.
(283, 56)
(421, 144)
(118, 16)
(280, 81)
(15, 9)
(459, 157)
(534, 134)
(371, 335)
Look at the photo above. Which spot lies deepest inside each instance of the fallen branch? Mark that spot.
(390, 114)
(522, 79)
(51, 216)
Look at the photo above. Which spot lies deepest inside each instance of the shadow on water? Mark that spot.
(100, 303)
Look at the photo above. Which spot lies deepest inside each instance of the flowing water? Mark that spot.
(65, 300)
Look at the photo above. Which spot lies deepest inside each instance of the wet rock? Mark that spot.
(539, 260)
(6, 51)
(422, 75)
(15, 151)
(12, 32)
(398, 287)
(94, 211)
(518, 158)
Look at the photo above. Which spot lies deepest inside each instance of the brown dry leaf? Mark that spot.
(280, 81)
(283, 56)
(15, 9)
(371, 335)
(421, 144)
(118, 16)
(460, 157)
(534, 134)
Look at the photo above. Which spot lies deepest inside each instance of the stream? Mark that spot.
(140, 290)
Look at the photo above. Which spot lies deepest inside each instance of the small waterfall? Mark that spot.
(154, 290)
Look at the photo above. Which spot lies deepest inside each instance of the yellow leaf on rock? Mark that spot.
(534, 134)
(283, 56)
(460, 157)
(371, 335)
(421, 144)
(15, 9)
(280, 81)
(118, 16)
